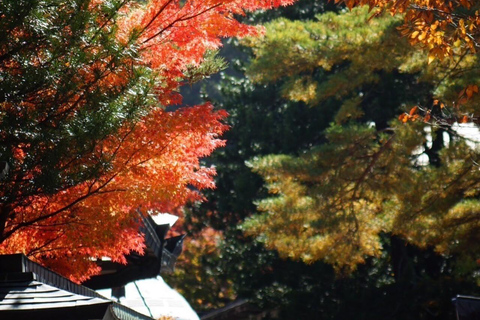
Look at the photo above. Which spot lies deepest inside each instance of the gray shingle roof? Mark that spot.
(30, 291)
(32, 294)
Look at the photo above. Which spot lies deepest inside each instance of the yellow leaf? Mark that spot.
(462, 26)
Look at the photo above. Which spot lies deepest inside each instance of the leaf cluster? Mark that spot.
(82, 122)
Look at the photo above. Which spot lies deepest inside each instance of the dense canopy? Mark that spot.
(83, 125)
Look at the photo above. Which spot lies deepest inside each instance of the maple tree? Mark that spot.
(445, 28)
(83, 125)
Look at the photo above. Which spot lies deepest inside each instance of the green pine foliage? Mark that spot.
(55, 52)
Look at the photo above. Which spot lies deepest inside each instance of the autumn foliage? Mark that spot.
(443, 27)
(373, 175)
(83, 126)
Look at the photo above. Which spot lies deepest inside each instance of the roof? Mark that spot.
(467, 307)
(23, 295)
(32, 294)
(28, 290)
(156, 298)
